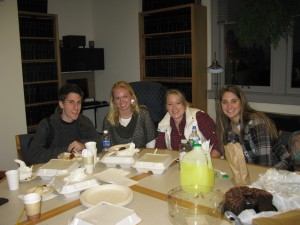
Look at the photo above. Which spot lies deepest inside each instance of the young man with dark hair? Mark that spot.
(67, 130)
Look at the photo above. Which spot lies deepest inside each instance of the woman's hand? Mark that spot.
(215, 154)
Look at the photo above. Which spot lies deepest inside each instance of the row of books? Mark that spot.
(34, 114)
(171, 21)
(32, 27)
(168, 45)
(36, 93)
(37, 49)
(39, 72)
(176, 67)
(186, 88)
(159, 4)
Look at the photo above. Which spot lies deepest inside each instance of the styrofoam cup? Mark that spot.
(88, 162)
(12, 177)
(91, 145)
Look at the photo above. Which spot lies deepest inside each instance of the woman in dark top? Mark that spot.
(127, 121)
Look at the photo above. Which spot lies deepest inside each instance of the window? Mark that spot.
(267, 74)
(245, 66)
(293, 83)
(296, 54)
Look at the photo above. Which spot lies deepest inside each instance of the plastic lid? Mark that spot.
(197, 145)
(184, 141)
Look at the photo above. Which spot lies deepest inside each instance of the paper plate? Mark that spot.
(115, 194)
(116, 148)
(41, 189)
(33, 176)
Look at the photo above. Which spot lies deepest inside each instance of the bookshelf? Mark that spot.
(40, 64)
(173, 48)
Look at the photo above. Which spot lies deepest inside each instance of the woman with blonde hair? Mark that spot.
(179, 120)
(127, 121)
(237, 121)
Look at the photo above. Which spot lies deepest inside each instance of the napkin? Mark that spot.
(44, 197)
(24, 171)
(115, 176)
(128, 152)
(76, 175)
(286, 218)
(206, 147)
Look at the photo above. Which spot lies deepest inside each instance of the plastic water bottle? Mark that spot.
(194, 170)
(194, 137)
(105, 142)
(184, 147)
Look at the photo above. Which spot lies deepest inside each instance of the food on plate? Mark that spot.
(116, 148)
(41, 189)
(240, 198)
(69, 156)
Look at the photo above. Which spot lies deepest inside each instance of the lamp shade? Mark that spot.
(215, 67)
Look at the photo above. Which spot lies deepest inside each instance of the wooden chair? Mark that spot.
(22, 143)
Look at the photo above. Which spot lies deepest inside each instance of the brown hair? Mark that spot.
(247, 113)
(113, 115)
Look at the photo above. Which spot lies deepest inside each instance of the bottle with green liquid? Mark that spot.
(196, 169)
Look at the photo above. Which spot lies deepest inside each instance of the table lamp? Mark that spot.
(215, 68)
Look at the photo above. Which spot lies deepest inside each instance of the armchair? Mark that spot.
(152, 95)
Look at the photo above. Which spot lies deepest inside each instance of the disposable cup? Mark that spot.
(32, 204)
(88, 163)
(12, 179)
(91, 145)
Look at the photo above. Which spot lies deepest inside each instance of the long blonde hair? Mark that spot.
(113, 115)
(247, 113)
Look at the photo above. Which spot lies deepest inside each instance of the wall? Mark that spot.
(113, 25)
(12, 113)
(120, 39)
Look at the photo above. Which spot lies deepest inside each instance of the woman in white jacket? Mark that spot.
(179, 120)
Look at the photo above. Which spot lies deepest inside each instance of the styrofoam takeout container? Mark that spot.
(156, 163)
(72, 189)
(57, 167)
(108, 214)
(115, 160)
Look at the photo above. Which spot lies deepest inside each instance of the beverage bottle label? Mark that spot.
(106, 144)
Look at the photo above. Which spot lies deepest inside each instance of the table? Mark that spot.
(149, 200)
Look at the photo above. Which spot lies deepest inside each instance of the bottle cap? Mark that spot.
(184, 141)
(197, 145)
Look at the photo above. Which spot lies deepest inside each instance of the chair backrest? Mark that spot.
(152, 95)
(22, 143)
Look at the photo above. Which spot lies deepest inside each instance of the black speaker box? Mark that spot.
(40, 6)
(81, 59)
(74, 41)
